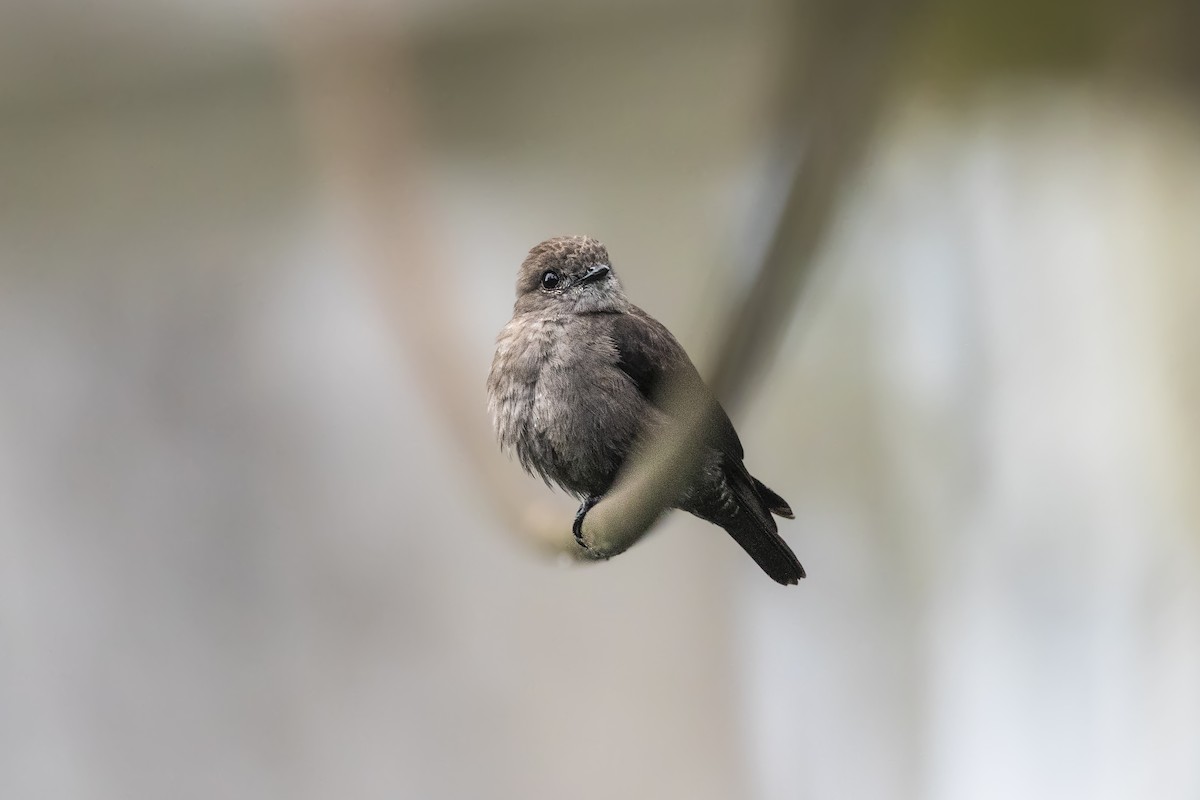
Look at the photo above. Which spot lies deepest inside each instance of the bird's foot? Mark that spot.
(577, 527)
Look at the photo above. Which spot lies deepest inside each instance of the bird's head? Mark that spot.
(569, 274)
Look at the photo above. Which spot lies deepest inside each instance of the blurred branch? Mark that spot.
(359, 105)
(834, 87)
(840, 61)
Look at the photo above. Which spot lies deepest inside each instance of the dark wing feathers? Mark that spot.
(774, 502)
(651, 357)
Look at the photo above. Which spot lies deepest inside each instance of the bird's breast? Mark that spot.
(559, 402)
(525, 350)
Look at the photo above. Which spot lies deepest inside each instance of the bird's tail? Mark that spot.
(752, 527)
(775, 504)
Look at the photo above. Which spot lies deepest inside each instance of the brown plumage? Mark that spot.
(575, 383)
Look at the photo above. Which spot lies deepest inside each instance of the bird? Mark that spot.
(575, 383)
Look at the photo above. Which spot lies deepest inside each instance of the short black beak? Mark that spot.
(594, 274)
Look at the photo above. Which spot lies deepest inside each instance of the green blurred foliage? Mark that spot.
(962, 43)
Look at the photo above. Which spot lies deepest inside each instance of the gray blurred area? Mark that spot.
(244, 554)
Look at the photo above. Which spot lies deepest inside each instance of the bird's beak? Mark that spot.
(594, 274)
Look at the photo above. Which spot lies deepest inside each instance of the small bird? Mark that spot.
(574, 384)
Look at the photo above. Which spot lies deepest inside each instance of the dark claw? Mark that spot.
(577, 526)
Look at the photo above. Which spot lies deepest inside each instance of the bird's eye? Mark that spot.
(549, 279)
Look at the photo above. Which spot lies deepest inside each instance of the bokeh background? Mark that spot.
(253, 257)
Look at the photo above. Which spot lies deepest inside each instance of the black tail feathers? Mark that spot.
(753, 528)
(767, 549)
(775, 503)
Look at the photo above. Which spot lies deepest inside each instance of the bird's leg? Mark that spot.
(584, 507)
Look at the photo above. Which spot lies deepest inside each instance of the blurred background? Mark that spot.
(256, 540)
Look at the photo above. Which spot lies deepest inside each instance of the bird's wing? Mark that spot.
(652, 358)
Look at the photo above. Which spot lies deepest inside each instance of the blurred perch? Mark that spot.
(359, 114)
(835, 80)
(354, 91)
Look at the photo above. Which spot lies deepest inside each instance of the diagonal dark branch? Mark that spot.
(841, 65)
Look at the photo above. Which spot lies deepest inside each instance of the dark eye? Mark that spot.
(549, 279)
